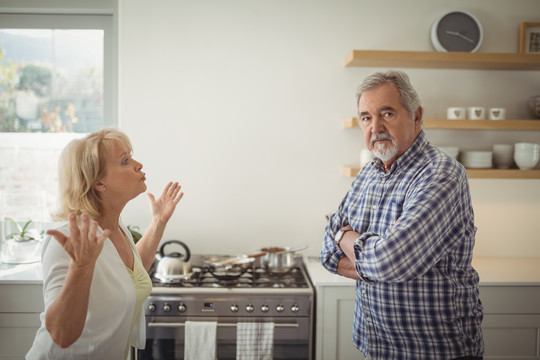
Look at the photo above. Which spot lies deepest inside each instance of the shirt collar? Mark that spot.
(404, 160)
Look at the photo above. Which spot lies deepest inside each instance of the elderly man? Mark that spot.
(405, 231)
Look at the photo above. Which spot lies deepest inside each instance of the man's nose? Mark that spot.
(377, 125)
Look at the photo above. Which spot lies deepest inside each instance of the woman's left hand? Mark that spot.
(163, 207)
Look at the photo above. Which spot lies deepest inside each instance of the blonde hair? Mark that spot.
(82, 164)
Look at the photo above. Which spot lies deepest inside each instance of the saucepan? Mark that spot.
(279, 260)
(173, 267)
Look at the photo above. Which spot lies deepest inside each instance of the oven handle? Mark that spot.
(177, 324)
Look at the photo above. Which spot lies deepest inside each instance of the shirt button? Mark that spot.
(374, 207)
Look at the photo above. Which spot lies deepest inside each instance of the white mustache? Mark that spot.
(380, 136)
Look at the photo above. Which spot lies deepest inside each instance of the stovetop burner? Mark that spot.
(255, 277)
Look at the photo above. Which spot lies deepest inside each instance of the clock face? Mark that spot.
(457, 31)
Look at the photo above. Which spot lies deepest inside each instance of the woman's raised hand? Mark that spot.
(163, 208)
(83, 244)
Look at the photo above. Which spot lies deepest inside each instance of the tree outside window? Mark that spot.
(51, 80)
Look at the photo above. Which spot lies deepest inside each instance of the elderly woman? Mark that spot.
(94, 276)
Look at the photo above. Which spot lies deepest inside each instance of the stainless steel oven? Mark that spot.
(285, 300)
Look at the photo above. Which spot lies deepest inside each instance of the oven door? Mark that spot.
(165, 337)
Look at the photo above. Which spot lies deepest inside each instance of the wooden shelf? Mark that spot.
(468, 124)
(482, 124)
(503, 174)
(443, 60)
(453, 60)
(351, 171)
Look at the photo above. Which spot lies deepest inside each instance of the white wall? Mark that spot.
(243, 102)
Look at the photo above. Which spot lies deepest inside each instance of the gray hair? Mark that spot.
(409, 96)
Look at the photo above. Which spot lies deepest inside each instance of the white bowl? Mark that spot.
(526, 147)
(526, 155)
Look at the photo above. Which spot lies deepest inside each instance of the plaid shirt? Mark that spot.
(419, 294)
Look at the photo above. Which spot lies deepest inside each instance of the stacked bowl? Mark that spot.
(526, 155)
(477, 159)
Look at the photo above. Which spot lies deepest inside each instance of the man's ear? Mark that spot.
(418, 115)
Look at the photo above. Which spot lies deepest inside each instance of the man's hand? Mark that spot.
(346, 268)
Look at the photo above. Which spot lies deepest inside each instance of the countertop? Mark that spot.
(21, 274)
(493, 272)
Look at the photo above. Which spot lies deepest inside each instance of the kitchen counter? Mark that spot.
(21, 274)
(509, 291)
(493, 272)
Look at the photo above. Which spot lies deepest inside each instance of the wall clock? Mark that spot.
(457, 31)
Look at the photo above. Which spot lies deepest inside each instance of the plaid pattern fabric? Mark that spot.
(419, 294)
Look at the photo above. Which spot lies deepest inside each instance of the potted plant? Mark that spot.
(135, 232)
(22, 244)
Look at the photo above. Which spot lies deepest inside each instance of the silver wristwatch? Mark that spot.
(339, 236)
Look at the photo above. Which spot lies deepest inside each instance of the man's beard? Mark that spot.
(383, 151)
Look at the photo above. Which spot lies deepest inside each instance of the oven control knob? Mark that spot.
(280, 308)
(265, 308)
(249, 308)
(234, 308)
(295, 308)
(181, 307)
(152, 307)
(166, 308)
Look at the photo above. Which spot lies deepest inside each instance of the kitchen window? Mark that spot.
(57, 83)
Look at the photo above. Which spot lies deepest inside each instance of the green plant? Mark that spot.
(135, 232)
(22, 233)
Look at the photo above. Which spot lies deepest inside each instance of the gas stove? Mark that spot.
(254, 278)
(256, 296)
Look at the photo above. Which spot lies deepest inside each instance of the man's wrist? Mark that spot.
(339, 235)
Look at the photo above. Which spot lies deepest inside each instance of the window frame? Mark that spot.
(67, 14)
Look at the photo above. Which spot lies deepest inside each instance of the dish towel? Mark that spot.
(200, 340)
(255, 341)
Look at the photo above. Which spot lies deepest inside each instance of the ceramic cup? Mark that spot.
(365, 157)
(456, 113)
(503, 155)
(476, 113)
(496, 113)
(526, 155)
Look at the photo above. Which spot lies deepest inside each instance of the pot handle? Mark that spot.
(186, 249)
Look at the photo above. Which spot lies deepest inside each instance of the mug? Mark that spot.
(476, 113)
(503, 155)
(497, 113)
(365, 157)
(456, 113)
